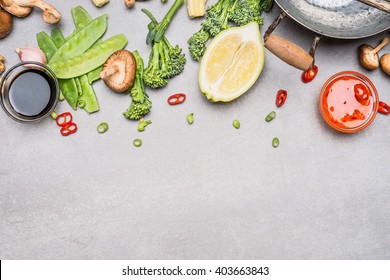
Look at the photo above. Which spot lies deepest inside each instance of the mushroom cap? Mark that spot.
(6, 23)
(385, 63)
(368, 58)
(118, 71)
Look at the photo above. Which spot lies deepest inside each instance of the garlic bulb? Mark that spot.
(31, 54)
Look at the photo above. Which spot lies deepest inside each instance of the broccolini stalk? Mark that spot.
(140, 105)
(165, 61)
(156, 34)
(217, 17)
(197, 43)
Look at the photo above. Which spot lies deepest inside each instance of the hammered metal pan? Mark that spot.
(353, 21)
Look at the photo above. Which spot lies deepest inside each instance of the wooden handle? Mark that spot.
(289, 52)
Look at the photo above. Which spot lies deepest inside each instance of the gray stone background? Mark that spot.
(206, 191)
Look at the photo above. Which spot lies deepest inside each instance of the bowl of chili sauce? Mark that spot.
(349, 101)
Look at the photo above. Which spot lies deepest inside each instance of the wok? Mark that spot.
(353, 21)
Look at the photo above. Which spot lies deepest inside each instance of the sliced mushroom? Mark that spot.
(119, 71)
(15, 9)
(6, 23)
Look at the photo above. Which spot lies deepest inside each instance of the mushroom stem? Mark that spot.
(384, 42)
(50, 14)
(107, 73)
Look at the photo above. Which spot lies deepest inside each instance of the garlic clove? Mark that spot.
(31, 54)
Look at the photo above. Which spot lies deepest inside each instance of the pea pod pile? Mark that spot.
(77, 59)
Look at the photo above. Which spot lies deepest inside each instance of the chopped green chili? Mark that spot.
(236, 124)
(270, 116)
(54, 115)
(190, 118)
(275, 142)
(137, 142)
(142, 124)
(103, 127)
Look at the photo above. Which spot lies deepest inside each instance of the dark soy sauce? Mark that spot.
(32, 92)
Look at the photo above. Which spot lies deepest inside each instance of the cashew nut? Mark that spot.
(14, 8)
(49, 15)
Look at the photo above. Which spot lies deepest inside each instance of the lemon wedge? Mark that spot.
(232, 63)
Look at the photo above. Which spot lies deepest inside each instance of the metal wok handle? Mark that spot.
(287, 51)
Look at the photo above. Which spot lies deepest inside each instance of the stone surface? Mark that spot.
(206, 191)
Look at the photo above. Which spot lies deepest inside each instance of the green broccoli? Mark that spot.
(217, 17)
(140, 105)
(165, 61)
(249, 10)
(197, 43)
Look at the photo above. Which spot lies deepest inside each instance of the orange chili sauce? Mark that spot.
(347, 102)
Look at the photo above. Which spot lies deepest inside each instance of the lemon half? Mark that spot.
(232, 63)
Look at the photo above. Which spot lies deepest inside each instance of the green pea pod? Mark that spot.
(82, 40)
(57, 37)
(94, 75)
(69, 89)
(88, 96)
(88, 61)
(78, 85)
(46, 45)
(81, 17)
(71, 35)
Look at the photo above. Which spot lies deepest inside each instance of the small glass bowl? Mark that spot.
(374, 104)
(7, 81)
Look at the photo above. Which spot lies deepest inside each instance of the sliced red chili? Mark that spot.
(64, 119)
(68, 129)
(362, 94)
(383, 108)
(176, 99)
(281, 98)
(310, 74)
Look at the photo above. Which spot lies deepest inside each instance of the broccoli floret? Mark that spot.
(140, 105)
(197, 43)
(246, 12)
(165, 61)
(217, 17)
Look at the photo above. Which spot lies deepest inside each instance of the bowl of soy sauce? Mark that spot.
(29, 92)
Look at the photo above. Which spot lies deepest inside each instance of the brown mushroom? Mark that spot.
(369, 58)
(385, 63)
(6, 23)
(118, 71)
(15, 9)
(129, 3)
(49, 14)
(2, 66)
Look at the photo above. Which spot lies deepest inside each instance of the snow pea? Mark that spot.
(88, 96)
(57, 37)
(69, 89)
(46, 45)
(82, 18)
(78, 85)
(90, 60)
(94, 75)
(82, 40)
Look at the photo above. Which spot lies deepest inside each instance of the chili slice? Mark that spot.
(176, 99)
(68, 129)
(310, 74)
(281, 98)
(64, 119)
(383, 108)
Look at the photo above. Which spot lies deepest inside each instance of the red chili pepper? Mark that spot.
(309, 74)
(176, 99)
(64, 119)
(362, 94)
(68, 129)
(281, 98)
(383, 108)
